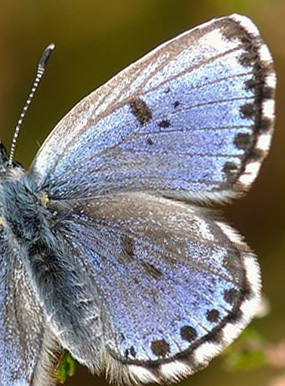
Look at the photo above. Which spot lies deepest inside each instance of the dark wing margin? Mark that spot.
(193, 119)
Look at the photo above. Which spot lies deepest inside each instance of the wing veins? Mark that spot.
(187, 70)
(125, 101)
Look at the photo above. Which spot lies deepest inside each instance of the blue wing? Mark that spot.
(170, 285)
(192, 119)
(25, 342)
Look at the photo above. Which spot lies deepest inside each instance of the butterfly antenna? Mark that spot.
(40, 71)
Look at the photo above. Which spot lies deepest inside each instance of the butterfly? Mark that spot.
(107, 247)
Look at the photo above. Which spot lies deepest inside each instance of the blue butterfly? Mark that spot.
(106, 248)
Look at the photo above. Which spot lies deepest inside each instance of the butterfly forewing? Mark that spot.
(191, 119)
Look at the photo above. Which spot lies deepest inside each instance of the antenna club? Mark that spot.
(45, 56)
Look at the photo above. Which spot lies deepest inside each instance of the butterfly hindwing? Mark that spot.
(173, 285)
(192, 119)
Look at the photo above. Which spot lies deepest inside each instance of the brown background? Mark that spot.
(95, 39)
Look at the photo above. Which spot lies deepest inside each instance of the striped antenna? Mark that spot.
(40, 71)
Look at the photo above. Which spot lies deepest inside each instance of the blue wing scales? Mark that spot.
(167, 278)
(185, 121)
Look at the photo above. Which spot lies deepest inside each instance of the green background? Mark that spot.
(95, 39)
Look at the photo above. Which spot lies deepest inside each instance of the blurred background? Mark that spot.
(95, 39)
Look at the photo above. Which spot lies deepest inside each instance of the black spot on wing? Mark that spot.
(160, 348)
(248, 58)
(231, 295)
(248, 110)
(254, 85)
(149, 141)
(231, 171)
(213, 315)
(242, 141)
(251, 84)
(188, 333)
(176, 104)
(140, 110)
(164, 123)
